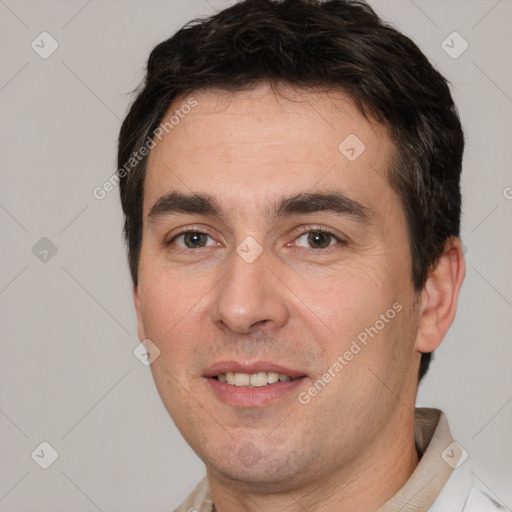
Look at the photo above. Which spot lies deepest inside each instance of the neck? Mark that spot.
(366, 484)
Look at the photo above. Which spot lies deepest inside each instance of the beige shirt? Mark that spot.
(438, 484)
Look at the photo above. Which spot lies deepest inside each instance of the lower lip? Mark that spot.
(253, 397)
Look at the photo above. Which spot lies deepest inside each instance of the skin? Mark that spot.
(352, 446)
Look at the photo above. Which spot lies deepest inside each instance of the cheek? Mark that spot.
(169, 313)
(167, 296)
(370, 327)
(351, 299)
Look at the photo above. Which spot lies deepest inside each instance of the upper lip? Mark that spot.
(250, 368)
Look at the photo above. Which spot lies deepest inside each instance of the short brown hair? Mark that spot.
(311, 43)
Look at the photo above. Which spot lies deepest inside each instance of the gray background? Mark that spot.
(68, 375)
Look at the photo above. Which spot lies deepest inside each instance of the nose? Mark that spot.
(250, 296)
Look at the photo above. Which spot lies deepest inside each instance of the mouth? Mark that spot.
(254, 384)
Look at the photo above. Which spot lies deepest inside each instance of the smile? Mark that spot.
(252, 380)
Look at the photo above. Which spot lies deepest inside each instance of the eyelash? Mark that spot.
(308, 229)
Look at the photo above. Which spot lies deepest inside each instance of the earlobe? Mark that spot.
(138, 309)
(439, 297)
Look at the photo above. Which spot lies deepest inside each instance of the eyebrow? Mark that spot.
(176, 202)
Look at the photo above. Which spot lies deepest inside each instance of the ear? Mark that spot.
(141, 333)
(439, 297)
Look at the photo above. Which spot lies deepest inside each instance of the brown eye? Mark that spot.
(192, 240)
(316, 240)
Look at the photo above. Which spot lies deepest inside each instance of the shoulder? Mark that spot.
(480, 501)
(461, 493)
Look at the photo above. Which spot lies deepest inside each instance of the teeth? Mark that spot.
(258, 379)
(272, 377)
(242, 379)
(252, 380)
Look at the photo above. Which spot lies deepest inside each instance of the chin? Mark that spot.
(265, 468)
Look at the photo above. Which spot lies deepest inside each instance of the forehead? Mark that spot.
(253, 145)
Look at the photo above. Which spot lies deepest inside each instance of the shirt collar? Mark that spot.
(439, 456)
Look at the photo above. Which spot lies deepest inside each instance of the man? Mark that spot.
(290, 183)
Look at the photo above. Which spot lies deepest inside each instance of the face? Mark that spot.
(274, 245)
